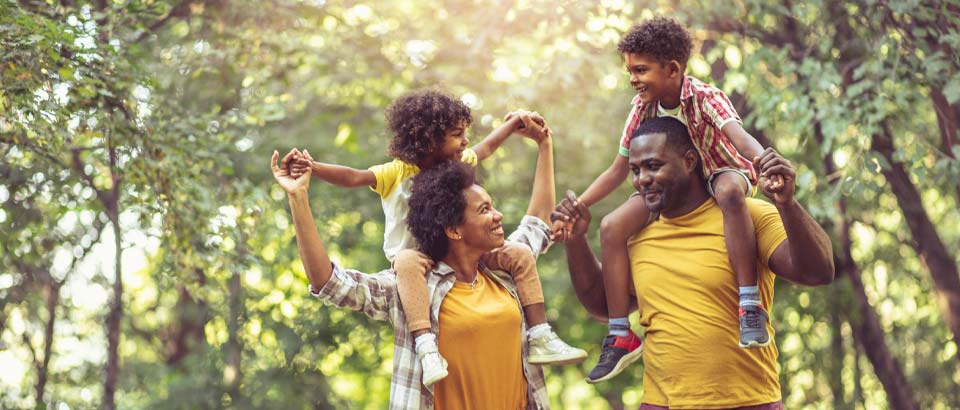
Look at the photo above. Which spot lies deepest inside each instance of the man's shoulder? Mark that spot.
(759, 206)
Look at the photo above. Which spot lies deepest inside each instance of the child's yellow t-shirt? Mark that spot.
(688, 299)
(394, 185)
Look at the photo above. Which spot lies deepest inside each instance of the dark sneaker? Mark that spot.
(618, 353)
(753, 327)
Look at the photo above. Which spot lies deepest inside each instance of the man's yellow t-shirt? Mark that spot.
(479, 335)
(688, 298)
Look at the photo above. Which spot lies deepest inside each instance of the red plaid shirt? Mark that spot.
(706, 110)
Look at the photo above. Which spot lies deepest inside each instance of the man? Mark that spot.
(685, 287)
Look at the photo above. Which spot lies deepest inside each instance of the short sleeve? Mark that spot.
(633, 121)
(390, 175)
(769, 227)
(469, 157)
(717, 109)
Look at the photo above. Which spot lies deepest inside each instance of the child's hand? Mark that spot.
(299, 165)
(532, 125)
(777, 176)
(560, 230)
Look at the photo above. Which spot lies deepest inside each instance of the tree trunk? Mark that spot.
(867, 331)
(43, 370)
(233, 374)
(926, 241)
(948, 120)
(114, 317)
(837, 350)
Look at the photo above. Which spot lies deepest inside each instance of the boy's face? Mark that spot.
(454, 142)
(653, 79)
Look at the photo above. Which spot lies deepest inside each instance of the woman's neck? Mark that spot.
(464, 264)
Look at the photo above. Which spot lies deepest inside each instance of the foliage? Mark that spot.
(176, 106)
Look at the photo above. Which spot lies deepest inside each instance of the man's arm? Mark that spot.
(584, 267)
(806, 256)
(608, 181)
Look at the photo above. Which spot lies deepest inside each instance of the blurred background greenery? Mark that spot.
(148, 260)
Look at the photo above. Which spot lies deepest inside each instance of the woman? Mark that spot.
(477, 310)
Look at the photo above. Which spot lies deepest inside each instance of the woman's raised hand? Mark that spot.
(281, 172)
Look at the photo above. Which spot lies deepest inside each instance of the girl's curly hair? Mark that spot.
(419, 121)
(438, 202)
(662, 38)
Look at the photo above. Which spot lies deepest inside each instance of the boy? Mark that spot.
(655, 54)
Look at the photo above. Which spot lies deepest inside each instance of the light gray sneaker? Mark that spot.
(753, 327)
(549, 349)
(434, 366)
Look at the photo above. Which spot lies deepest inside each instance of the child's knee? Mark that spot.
(612, 226)
(519, 254)
(730, 194)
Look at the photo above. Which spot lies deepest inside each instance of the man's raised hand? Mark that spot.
(777, 177)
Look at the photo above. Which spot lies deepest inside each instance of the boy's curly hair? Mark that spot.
(419, 121)
(662, 38)
(437, 202)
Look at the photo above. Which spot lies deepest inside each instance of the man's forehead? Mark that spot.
(646, 146)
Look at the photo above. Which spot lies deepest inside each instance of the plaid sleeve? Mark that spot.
(718, 109)
(532, 232)
(375, 295)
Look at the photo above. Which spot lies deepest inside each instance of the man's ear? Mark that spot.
(691, 160)
(452, 232)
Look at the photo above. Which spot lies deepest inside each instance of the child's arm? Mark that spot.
(608, 181)
(339, 175)
(493, 141)
(544, 195)
(748, 146)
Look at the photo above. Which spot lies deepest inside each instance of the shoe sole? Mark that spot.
(625, 361)
(754, 345)
(560, 360)
(428, 383)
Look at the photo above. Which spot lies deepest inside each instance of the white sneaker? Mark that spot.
(434, 366)
(549, 349)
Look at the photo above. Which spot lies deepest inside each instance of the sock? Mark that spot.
(538, 331)
(619, 326)
(749, 296)
(425, 342)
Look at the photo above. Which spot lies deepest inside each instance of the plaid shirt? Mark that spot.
(707, 110)
(376, 296)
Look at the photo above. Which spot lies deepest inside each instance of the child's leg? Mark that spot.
(545, 346)
(519, 261)
(412, 289)
(615, 229)
(729, 189)
(621, 347)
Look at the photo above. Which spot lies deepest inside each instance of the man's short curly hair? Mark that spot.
(662, 38)
(419, 121)
(438, 202)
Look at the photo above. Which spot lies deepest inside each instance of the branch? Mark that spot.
(182, 9)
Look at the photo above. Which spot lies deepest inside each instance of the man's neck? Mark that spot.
(695, 197)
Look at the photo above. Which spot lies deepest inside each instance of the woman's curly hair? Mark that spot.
(437, 202)
(419, 121)
(662, 38)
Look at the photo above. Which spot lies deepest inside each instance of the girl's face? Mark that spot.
(454, 142)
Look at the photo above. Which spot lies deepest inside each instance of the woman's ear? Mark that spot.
(452, 232)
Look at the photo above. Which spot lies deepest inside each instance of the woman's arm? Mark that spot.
(544, 194)
(316, 263)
